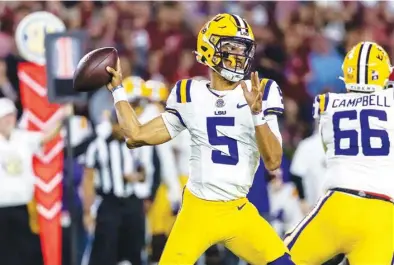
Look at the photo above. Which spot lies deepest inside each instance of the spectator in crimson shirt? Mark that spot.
(7, 19)
(296, 66)
(171, 44)
(270, 57)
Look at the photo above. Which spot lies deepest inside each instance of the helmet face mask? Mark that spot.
(234, 56)
(226, 45)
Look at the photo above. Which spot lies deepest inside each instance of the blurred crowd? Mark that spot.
(299, 44)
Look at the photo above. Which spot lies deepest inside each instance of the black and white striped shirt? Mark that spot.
(113, 160)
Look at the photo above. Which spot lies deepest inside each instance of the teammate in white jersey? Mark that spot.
(356, 216)
(168, 195)
(232, 123)
(285, 210)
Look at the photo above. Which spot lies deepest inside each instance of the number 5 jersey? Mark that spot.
(357, 130)
(224, 154)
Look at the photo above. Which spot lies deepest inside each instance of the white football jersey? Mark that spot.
(285, 209)
(357, 130)
(309, 163)
(167, 159)
(224, 154)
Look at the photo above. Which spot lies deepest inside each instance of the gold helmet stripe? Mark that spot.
(237, 21)
(241, 21)
(246, 25)
(362, 63)
(241, 25)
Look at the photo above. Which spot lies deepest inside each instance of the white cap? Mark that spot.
(6, 107)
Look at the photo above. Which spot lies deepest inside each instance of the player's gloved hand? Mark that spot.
(254, 96)
(116, 76)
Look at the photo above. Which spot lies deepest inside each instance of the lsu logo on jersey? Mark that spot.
(30, 35)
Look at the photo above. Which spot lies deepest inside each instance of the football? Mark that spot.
(91, 74)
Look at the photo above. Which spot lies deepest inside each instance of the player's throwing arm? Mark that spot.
(136, 134)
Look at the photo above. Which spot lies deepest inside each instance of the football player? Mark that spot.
(167, 199)
(285, 210)
(232, 123)
(356, 215)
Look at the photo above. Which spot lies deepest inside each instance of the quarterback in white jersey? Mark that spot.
(232, 123)
(356, 216)
(222, 135)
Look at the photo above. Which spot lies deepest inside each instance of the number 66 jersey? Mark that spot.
(224, 154)
(358, 133)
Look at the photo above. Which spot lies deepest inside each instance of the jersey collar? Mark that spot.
(216, 94)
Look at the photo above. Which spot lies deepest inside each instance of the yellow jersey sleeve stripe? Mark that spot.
(183, 91)
(323, 102)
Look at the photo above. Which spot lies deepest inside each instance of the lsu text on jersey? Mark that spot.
(224, 158)
(356, 216)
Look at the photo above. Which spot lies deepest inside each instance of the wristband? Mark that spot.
(258, 119)
(119, 94)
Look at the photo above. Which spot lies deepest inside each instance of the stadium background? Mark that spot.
(299, 44)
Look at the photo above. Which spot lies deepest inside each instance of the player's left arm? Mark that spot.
(269, 142)
(268, 137)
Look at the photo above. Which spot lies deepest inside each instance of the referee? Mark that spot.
(123, 183)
